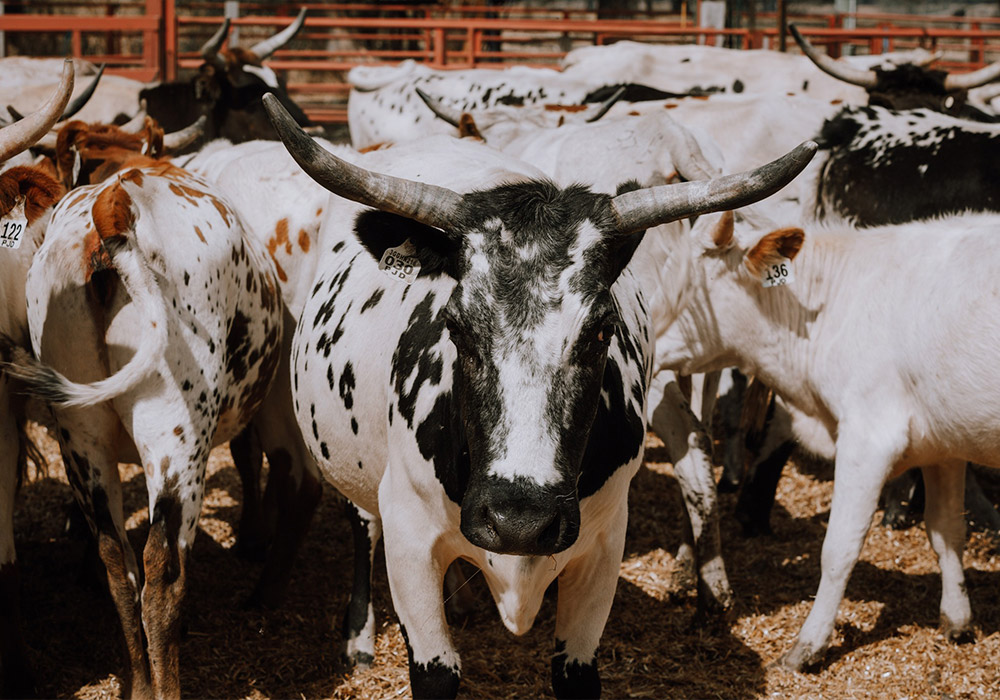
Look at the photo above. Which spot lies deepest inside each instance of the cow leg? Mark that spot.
(756, 499)
(416, 579)
(903, 498)
(862, 467)
(945, 493)
(689, 449)
(981, 512)
(16, 679)
(251, 538)
(86, 437)
(359, 619)
(732, 386)
(174, 461)
(586, 591)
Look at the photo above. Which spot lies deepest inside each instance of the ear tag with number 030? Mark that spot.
(13, 225)
(401, 262)
(777, 274)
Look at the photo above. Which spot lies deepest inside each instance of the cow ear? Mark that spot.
(379, 231)
(769, 250)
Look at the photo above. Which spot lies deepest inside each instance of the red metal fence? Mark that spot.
(158, 39)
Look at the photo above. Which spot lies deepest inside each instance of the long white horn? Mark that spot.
(267, 47)
(179, 139)
(967, 81)
(428, 204)
(838, 69)
(137, 122)
(641, 209)
(21, 135)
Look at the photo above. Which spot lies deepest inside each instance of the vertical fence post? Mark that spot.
(169, 25)
(152, 47)
(437, 48)
(231, 9)
(3, 35)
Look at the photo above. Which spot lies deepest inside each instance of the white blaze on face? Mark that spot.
(528, 361)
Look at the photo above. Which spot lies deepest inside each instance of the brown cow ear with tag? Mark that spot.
(772, 248)
(467, 127)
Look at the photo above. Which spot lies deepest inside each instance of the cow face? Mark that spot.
(531, 315)
(913, 87)
(531, 319)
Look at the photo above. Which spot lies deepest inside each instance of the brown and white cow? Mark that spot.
(176, 320)
(26, 196)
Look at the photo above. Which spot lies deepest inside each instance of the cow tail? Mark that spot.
(125, 258)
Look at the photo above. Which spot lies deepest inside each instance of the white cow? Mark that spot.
(859, 340)
(26, 198)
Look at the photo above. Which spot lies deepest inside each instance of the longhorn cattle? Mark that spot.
(176, 320)
(27, 82)
(861, 342)
(226, 90)
(908, 86)
(483, 394)
(26, 197)
(882, 166)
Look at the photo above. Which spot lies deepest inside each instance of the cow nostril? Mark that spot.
(550, 534)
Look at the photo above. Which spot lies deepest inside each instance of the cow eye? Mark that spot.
(606, 333)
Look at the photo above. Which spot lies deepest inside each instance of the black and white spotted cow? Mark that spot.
(483, 395)
(26, 197)
(175, 317)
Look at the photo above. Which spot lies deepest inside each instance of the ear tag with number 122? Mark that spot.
(777, 274)
(401, 262)
(13, 225)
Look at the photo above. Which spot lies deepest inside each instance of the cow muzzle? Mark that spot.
(520, 517)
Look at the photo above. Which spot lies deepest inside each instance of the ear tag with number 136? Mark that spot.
(401, 262)
(777, 274)
(13, 225)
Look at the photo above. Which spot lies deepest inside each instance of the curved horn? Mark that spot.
(137, 122)
(436, 104)
(606, 105)
(179, 139)
(642, 209)
(838, 69)
(428, 204)
(923, 58)
(210, 49)
(75, 105)
(16, 137)
(967, 81)
(267, 47)
(80, 100)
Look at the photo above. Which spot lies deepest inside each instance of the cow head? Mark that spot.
(226, 90)
(90, 153)
(907, 86)
(723, 271)
(531, 316)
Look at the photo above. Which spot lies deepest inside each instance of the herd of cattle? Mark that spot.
(466, 321)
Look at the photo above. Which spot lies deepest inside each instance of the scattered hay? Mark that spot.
(886, 642)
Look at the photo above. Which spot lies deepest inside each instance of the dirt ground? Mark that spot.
(886, 644)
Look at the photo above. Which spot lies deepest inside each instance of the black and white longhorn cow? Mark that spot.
(471, 370)
(908, 85)
(227, 90)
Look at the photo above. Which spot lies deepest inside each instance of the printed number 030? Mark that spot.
(395, 264)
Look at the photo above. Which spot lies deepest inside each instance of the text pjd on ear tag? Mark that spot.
(777, 273)
(13, 225)
(401, 262)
